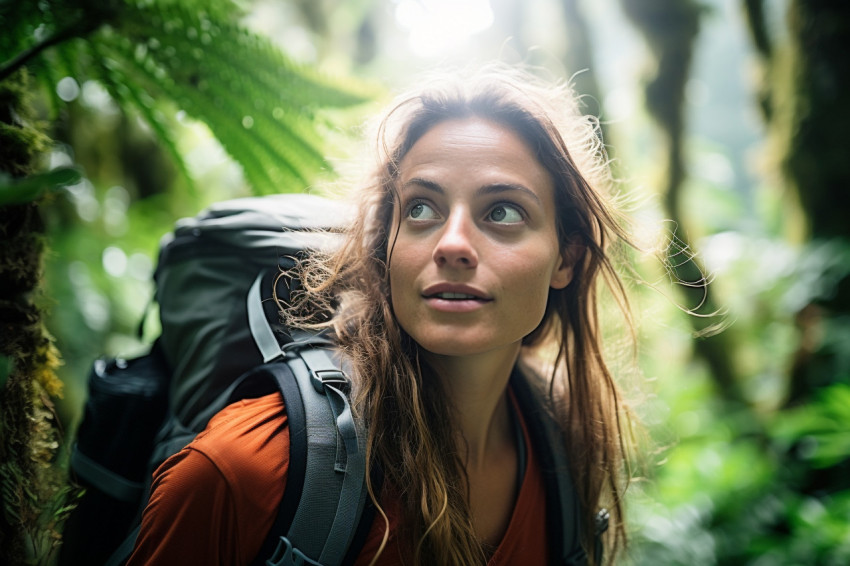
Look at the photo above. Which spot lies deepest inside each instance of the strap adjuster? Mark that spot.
(333, 377)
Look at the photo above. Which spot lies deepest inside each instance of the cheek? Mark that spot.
(529, 284)
(402, 275)
(395, 290)
(532, 269)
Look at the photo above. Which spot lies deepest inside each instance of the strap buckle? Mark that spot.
(334, 378)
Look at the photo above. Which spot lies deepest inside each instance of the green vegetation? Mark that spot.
(117, 117)
(145, 59)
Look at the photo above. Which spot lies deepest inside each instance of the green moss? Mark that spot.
(20, 261)
(29, 484)
(21, 138)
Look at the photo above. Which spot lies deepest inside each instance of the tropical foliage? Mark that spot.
(748, 427)
(194, 55)
(151, 58)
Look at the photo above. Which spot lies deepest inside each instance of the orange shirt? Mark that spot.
(215, 501)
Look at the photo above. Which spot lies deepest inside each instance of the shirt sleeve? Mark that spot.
(176, 526)
(215, 501)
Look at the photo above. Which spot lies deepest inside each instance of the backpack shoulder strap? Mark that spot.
(320, 513)
(563, 514)
(326, 489)
(323, 503)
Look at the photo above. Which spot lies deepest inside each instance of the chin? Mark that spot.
(450, 350)
(456, 347)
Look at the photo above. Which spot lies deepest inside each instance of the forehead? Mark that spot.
(475, 148)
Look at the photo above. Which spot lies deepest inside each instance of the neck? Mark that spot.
(477, 389)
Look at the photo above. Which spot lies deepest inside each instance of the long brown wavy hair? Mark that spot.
(407, 416)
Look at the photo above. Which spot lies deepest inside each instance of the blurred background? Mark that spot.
(726, 122)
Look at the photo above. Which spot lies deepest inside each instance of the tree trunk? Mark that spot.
(579, 60)
(804, 98)
(32, 494)
(670, 28)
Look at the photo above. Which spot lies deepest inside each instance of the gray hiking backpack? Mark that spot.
(222, 341)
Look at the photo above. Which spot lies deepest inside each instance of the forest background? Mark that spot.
(726, 119)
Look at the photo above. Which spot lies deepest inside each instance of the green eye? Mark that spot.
(505, 214)
(421, 211)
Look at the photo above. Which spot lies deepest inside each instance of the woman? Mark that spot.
(475, 258)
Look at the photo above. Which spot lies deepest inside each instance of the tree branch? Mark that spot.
(76, 29)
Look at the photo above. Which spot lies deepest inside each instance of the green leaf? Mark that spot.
(31, 187)
(260, 105)
(115, 80)
(824, 423)
(193, 54)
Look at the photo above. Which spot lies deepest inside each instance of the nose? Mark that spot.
(455, 247)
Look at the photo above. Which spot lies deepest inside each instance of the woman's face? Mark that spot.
(477, 249)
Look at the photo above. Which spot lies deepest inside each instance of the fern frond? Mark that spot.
(244, 148)
(115, 81)
(260, 105)
(72, 59)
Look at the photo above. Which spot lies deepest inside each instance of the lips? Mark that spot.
(455, 292)
(455, 298)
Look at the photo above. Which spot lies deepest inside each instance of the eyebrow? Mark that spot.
(491, 189)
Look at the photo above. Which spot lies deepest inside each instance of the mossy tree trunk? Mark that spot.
(32, 495)
(670, 28)
(803, 97)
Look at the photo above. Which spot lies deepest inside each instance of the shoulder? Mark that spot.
(227, 483)
(241, 456)
(247, 439)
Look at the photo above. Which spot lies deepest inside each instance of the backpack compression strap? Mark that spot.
(263, 335)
